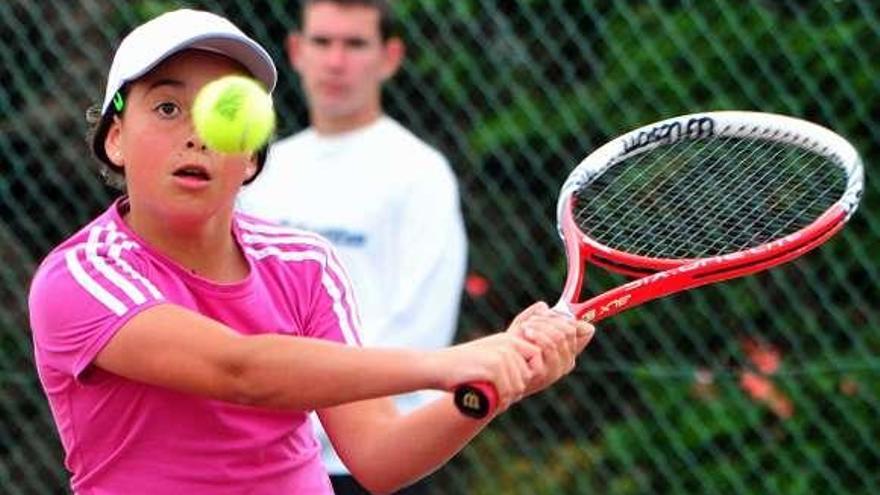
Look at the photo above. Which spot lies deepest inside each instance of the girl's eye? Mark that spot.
(167, 109)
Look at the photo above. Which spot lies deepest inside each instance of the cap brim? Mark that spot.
(248, 53)
(244, 51)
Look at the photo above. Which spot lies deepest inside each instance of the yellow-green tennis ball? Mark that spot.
(233, 114)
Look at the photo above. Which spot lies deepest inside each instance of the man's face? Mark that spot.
(342, 60)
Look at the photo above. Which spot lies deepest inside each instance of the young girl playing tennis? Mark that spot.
(181, 345)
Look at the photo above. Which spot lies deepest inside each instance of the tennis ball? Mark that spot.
(233, 114)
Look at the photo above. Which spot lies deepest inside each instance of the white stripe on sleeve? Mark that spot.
(92, 287)
(293, 236)
(118, 243)
(326, 280)
(112, 275)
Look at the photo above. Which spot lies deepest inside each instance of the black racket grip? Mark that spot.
(476, 399)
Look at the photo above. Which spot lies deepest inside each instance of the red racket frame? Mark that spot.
(662, 277)
(658, 278)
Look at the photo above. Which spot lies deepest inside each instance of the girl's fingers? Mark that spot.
(536, 308)
(584, 335)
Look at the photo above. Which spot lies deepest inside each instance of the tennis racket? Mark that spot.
(694, 200)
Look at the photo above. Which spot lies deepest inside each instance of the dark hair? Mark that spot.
(387, 26)
(113, 174)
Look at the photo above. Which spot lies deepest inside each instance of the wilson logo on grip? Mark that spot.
(471, 401)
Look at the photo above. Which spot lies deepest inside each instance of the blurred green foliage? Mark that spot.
(669, 398)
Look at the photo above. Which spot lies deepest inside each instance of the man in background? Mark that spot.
(387, 201)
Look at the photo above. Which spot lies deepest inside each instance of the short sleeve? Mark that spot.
(334, 315)
(81, 296)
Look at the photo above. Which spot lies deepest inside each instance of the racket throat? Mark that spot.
(575, 255)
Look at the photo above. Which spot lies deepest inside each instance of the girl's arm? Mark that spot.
(386, 451)
(170, 346)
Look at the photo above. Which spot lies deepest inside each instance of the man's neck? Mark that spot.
(341, 125)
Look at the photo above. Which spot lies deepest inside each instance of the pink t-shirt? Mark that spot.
(125, 437)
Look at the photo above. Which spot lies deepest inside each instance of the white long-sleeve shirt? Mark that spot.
(390, 205)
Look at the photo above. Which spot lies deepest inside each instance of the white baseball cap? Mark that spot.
(156, 40)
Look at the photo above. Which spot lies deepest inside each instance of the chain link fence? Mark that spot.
(763, 385)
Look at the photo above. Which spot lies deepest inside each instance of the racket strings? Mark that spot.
(793, 202)
(707, 197)
(620, 215)
(781, 218)
(743, 191)
(628, 214)
(711, 213)
(693, 215)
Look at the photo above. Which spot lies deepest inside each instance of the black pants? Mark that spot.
(347, 485)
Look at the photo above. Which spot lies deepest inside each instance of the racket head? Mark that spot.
(701, 198)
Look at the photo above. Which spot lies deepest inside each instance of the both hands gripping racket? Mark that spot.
(694, 200)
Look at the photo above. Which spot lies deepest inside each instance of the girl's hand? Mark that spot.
(560, 339)
(501, 359)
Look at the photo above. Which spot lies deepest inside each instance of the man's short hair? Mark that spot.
(387, 26)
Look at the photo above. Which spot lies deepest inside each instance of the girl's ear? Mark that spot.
(113, 144)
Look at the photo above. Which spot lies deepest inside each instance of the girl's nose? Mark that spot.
(195, 142)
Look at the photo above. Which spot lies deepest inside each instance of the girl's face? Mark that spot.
(169, 172)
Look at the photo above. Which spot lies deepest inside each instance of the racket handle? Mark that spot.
(476, 399)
